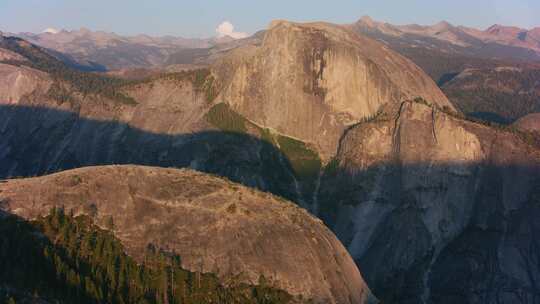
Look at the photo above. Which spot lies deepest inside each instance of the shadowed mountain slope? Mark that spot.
(436, 209)
(59, 140)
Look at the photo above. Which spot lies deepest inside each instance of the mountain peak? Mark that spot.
(495, 27)
(443, 25)
(84, 30)
(367, 20)
(293, 48)
(502, 29)
(278, 22)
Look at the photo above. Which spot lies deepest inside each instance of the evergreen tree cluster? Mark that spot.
(66, 259)
(83, 82)
(502, 96)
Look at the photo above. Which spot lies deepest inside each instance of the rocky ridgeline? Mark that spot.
(313, 80)
(215, 226)
(432, 207)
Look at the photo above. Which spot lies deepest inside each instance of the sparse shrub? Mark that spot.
(231, 208)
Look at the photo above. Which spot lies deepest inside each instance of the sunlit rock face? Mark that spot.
(16, 83)
(424, 200)
(214, 225)
(312, 80)
(529, 123)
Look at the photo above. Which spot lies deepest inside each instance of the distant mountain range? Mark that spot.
(459, 59)
(100, 51)
(490, 74)
(497, 42)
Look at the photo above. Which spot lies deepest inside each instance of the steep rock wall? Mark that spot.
(312, 80)
(414, 194)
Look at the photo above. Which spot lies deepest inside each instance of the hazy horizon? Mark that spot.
(201, 19)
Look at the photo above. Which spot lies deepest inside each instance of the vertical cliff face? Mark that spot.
(215, 226)
(166, 126)
(312, 80)
(422, 199)
(16, 83)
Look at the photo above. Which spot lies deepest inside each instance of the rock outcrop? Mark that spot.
(51, 122)
(214, 225)
(6, 55)
(312, 80)
(435, 209)
(16, 83)
(530, 123)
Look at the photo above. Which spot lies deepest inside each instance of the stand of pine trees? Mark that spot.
(64, 259)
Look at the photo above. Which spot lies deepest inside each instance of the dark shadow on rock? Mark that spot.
(440, 233)
(71, 62)
(36, 141)
(490, 117)
(446, 78)
(427, 225)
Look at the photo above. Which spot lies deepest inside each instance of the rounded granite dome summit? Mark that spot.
(214, 225)
(312, 80)
(529, 123)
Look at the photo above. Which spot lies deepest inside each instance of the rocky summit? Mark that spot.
(215, 226)
(313, 80)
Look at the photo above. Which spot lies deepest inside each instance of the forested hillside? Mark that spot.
(68, 259)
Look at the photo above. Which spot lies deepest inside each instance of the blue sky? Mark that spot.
(199, 18)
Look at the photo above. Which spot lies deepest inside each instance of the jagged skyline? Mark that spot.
(202, 18)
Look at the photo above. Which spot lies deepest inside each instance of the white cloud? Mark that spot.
(227, 29)
(51, 30)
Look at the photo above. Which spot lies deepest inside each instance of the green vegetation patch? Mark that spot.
(222, 117)
(501, 96)
(202, 79)
(304, 161)
(84, 82)
(66, 259)
(332, 168)
(205, 82)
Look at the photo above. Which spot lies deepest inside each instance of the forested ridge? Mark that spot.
(507, 92)
(69, 81)
(65, 259)
(83, 82)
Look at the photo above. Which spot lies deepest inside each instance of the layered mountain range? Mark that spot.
(490, 75)
(101, 51)
(497, 41)
(443, 50)
(432, 207)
